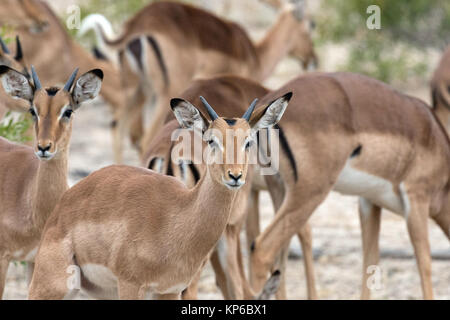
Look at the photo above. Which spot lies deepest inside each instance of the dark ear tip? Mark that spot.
(288, 96)
(175, 102)
(4, 69)
(276, 273)
(98, 73)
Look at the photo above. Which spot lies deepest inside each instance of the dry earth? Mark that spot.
(336, 232)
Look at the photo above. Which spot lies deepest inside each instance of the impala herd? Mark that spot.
(139, 232)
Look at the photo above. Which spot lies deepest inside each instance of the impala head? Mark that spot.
(51, 107)
(27, 13)
(229, 140)
(302, 47)
(15, 61)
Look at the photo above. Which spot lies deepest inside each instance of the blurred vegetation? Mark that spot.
(14, 129)
(115, 11)
(396, 52)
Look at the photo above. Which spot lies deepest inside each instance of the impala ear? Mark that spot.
(87, 86)
(270, 115)
(16, 84)
(188, 116)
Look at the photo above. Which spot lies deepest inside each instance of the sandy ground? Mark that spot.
(336, 232)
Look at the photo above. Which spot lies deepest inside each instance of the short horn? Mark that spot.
(212, 114)
(69, 82)
(19, 52)
(37, 83)
(249, 111)
(4, 47)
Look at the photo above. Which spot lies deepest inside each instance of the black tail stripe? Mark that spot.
(195, 172)
(159, 56)
(152, 163)
(287, 150)
(135, 48)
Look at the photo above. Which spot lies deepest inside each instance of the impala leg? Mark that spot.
(158, 119)
(136, 128)
(289, 219)
(55, 275)
(221, 281)
(190, 293)
(305, 237)
(228, 256)
(30, 270)
(252, 226)
(417, 222)
(168, 296)
(370, 217)
(4, 264)
(281, 265)
(128, 290)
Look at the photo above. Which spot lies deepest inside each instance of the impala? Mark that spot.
(15, 62)
(228, 94)
(440, 90)
(149, 48)
(134, 232)
(33, 180)
(358, 136)
(60, 54)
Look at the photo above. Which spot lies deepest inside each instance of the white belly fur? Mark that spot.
(375, 189)
(99, 275)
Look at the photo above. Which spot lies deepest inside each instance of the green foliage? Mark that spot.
(15, 130)
(115, 11)
(397, 51)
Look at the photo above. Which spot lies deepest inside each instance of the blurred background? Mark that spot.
(403, 53)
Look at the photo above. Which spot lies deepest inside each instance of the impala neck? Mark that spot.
(51, 183)
(208, 216)
(276, 44)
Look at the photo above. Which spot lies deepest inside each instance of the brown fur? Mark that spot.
(229, 94)
(194, 43)
(150, 231)
(54, 54)
(440, 86)
(329, 116)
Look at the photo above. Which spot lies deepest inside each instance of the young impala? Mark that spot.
(358, 136)
(36, 24)
(132, 231)
(33, 180)
(228, 94)
(149, 48)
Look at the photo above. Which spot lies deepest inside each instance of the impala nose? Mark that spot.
(45, 148)
(235, 176)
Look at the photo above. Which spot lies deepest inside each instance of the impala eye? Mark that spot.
(68, 113)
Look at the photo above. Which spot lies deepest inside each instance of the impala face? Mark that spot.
(16, 62)
(51, 108)
(228, 140)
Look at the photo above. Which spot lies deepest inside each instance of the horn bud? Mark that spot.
(71, 80)
(37, 83)
(212, 114)
(4, 47)
(249, 111)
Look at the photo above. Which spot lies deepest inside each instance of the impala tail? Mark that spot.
(105, 37)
